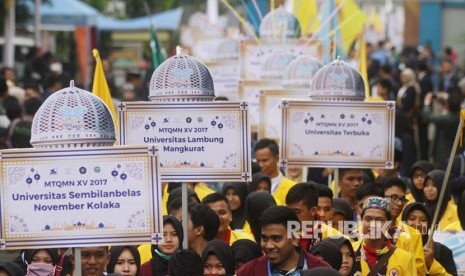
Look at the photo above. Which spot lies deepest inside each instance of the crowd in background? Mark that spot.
(241, 228)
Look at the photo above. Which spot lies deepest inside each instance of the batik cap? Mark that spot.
(377, 202)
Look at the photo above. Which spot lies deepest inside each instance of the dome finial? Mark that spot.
(71, 83)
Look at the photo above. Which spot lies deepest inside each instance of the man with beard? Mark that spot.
(282, 254)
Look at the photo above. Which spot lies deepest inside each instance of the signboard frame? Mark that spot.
(150, 231)
(339, 159)
(243, 171)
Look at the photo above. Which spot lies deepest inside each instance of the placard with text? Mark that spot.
(80, 197)
(270, 110)
(338, 134)
(253, 55)
(199, 141)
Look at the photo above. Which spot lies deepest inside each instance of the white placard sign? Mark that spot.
(252, 55)
(250, 91)
(456, 243)
(80, 197)
(270, 108)
(200, 141)
(225, 76)
(338, 134)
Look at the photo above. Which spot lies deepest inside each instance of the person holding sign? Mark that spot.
(267, 155)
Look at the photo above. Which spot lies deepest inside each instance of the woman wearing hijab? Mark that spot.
(255, 204)
(125, 260)
(418, 174)
(161, 254)
(236, 192)
(328, 252)
(245, 251)
(416, 216)
(448, 209)
(217, 259)
(260, 183)
(347, 253)
(10, 269)
(40, 261)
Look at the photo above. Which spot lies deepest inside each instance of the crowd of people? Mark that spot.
(377, 222)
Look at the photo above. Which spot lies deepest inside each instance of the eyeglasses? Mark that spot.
(396, 199)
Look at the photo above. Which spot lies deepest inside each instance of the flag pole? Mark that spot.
(442, 193)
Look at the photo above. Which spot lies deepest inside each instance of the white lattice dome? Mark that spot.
(275, 64)
(337, 81)
(181, 78)
(72, 118)
(300, 72)
(279, 24)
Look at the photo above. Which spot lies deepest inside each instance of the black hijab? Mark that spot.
(222, 251)
(426, 167)
(255, 204)
(158, 264)
(461, 210)
(116, 253)
(28, 254)
(441, 252)
(329, 252)
(238, 216)
(438, 177)
(177, 193)
(257, 178)
(245, 251)
(339, 241)
(12, 268)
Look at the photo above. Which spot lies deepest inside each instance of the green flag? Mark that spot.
(155, 49)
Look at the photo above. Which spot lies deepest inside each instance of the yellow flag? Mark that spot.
(353, 25)
(363, 64)
(306, 12)
(100, 87)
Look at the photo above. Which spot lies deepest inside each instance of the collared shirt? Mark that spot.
(302, 265)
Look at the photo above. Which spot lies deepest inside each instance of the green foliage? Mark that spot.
(100, 5)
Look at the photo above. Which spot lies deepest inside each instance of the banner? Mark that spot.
(338, 134)
(199, 141)
(80, 197)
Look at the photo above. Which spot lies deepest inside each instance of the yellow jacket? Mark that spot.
(283, 188)
(400, 263)
(410, 240)
(437, 269)
(237, 235)
(145, 252)
(201, 189)
(449, 217)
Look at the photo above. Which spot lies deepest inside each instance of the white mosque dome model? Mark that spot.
(181, 78)
(279, 24)
(72, 118)
(300, 72)
(337, 81)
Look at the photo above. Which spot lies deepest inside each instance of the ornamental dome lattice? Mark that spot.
(275, 64)
(279, 24)
(72, 118)
(337, 81)
(181, 78)
(300, 72)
